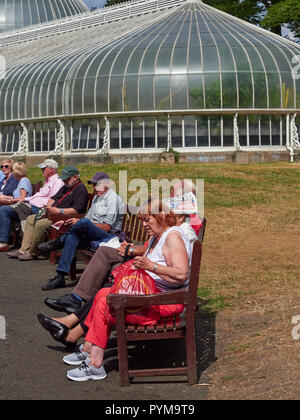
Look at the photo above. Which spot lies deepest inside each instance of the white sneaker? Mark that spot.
(75, 359)
(86, 372)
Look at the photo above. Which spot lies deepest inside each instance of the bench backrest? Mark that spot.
(36, 187)
(133, 227)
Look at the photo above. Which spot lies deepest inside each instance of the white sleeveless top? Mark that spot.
(156, 257)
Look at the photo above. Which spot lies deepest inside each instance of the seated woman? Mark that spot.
(167, 261)
(69, 329)
(9, 183)
(23, 190)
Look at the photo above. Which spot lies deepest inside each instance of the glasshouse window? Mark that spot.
(162, 127)
(190, 131)
(265, 127)
(138, 133)
(126, 131)
(215, 130)
(149, 132)
(84, 135)
(114, 134)
(276, 121)
(228, 131)
(177, 131)
(243, 130)
(10, 137)
(41, 136)
(202, 131)
(254, 130)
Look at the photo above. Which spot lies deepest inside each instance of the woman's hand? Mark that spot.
(143, 263)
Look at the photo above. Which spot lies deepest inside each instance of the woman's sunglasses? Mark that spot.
(4, 167)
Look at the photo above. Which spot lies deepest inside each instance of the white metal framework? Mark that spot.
(16, 14)
(149, 74)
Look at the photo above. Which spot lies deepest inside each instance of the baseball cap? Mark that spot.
(68, 171)
(98, 177)
(49, 163)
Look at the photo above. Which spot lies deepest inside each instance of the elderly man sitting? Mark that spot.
(101, 223)
(31, 205)
(71, 200)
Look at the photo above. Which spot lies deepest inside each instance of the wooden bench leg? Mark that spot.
(190, 345)
(122, 348)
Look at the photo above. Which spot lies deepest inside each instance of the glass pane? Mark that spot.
(265, 125)
(228, 131)
(276, 133)
(190, 130)
(254, 130)
(138, 132)
(215, 130)
(114, 134)
(162, 127)
(177, 131)
(242, 123)
(125, 133)
(202, 131)
(149, 132)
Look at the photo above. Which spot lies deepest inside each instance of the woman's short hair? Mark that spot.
(160, 211)
(9, 162)
(19, 170)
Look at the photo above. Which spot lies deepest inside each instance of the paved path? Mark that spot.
(31, 364)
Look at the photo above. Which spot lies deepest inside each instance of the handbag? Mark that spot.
(129, 281)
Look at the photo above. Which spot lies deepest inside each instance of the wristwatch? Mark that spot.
(131, 250)
(155, 268)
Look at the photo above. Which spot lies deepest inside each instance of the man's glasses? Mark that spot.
(4, 167)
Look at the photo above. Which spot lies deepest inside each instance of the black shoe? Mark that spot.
(58, 282)
(66, 303)
(50, 246)
(57, 330)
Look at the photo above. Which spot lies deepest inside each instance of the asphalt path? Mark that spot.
(31, 365)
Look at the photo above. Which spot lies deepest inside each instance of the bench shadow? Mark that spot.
(168, 353)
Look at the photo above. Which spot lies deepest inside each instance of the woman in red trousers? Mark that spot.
(167, 261)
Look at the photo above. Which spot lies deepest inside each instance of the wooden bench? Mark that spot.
(168, 328)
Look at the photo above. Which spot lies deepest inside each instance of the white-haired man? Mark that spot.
(101, 223)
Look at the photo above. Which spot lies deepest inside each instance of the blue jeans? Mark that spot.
(79, 236)
(7, 215)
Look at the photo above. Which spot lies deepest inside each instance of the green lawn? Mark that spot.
(226, 185)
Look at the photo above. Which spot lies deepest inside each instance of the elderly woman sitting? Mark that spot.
(23, 190)
(8, 183)
(167, 261)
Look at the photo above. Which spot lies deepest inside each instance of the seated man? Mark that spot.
(32, 204)
(101, 223)
(70, 200)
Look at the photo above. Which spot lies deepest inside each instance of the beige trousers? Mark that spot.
(35, 234)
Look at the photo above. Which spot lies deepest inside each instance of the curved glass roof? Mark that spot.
(186, 57)
(15, 14)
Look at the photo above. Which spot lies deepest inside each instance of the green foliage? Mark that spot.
(285, 11)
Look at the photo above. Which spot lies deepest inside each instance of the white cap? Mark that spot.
(49, 163)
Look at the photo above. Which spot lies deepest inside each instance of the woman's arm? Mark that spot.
(174, 251)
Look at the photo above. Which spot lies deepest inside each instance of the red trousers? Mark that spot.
(99, 330)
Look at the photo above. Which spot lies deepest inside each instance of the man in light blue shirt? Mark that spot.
(101, 223)
(2, 176)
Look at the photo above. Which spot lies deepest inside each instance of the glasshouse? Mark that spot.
(131, 81)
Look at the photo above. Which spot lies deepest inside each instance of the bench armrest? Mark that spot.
(130, 301)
